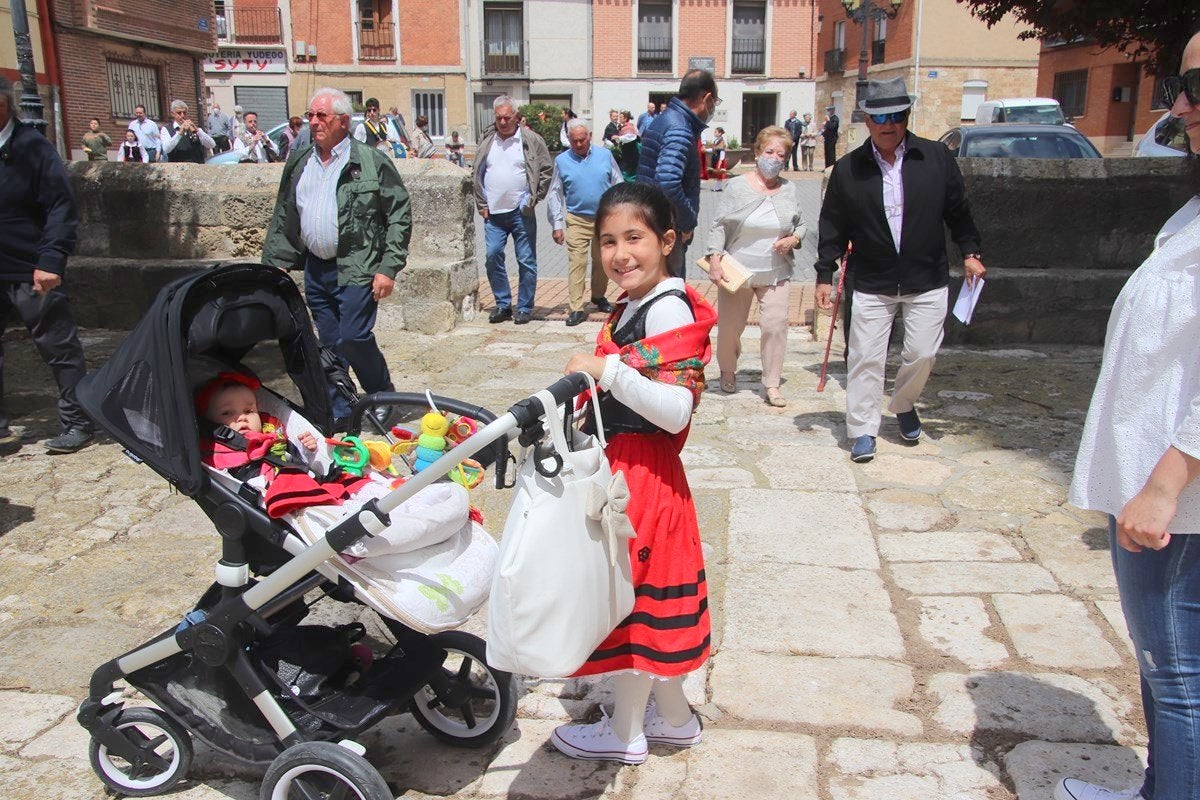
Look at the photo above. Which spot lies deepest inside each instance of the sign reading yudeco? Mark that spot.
(251, 61)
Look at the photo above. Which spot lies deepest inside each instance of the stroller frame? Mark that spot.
(237, 613)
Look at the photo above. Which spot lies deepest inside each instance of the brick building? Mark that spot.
(761, 52)
(250, 66)
(1108, 95)
(950, 60)
(112, 56)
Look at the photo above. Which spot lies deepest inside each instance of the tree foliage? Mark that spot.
(1152, 31)
(546, 128)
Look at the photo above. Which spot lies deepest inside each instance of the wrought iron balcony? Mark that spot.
(503, 57)
(654, 54)
(376, 41)
(749, 57)
(250, 26)
(835, 60)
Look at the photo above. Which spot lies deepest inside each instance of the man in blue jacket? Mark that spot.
(37, 233)
(671, 161)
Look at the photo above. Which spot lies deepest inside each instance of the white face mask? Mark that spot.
(770, 167)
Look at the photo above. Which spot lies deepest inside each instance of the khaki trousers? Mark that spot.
(732, 312)
(870, 328)
(582, 240)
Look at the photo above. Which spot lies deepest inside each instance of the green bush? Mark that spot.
(547, 129)
(731, 143)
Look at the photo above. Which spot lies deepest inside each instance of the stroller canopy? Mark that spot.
(143, 395)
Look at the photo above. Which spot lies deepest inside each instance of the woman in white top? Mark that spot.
(1137, 462)
(759, 226)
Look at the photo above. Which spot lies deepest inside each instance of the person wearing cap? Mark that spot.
(829, 135)
(890, 198)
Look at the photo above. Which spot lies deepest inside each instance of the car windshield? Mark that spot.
(1171, 133)
(1038, 115)
(1026, 145)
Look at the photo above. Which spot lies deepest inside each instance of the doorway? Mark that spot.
(758, 111)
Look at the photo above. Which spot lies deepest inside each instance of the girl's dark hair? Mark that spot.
(95, 120)
(649, 204)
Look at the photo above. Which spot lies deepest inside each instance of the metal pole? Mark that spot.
(860, 85)
(31, 102)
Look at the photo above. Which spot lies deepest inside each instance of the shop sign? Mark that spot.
(246, 61)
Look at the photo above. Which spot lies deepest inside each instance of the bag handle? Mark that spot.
(554, 422)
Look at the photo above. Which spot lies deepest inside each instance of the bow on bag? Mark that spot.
(607, 506)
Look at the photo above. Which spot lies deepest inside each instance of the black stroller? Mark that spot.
(239, 671)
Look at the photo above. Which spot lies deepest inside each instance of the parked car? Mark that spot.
(276, 134)
(1008, 140)
(1165, 139)
(1031, 110)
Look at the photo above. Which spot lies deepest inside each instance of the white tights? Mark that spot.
(632, 690)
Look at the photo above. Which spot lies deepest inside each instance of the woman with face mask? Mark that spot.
(759, 226)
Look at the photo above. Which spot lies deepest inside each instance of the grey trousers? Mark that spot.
(870, 328)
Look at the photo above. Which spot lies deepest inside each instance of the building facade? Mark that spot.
(250, 65)
(761, 51)
(1107, 95)
(950, 61)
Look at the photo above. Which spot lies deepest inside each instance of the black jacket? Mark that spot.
(37, 210)
(852, 211)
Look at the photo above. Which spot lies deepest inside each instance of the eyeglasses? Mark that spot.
(884, 119)
(716, 102)
(321, 116)
(1188, 84)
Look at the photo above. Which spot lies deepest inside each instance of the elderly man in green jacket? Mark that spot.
(342, 215)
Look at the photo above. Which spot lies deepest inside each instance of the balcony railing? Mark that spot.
(250, 26)
(376, 41)
(877, 51)
(503, 57)
(654, 54)
(749, 57)
(835, 60)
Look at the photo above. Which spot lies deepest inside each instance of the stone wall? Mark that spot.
(142, 225)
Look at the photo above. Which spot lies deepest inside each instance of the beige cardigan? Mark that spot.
(739, 202)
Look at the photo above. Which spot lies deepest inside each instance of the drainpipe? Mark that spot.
(917, 63)
(53, 59)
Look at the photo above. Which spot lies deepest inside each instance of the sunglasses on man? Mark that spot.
(322, 116)
(1188, 84)
(895, 116)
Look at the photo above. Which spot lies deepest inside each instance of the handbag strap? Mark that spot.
(554, 422)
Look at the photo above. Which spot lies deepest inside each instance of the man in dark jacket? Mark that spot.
(891, 197)
(829, 134)
(37, 233)
(671, 161)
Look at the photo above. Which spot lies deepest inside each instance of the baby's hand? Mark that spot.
(308, 440)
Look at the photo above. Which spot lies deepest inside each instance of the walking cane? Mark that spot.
(837, 300)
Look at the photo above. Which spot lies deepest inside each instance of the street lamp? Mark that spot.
(861, 12)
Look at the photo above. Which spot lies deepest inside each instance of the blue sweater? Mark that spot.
(671, 161)
(584, 179)
(37, 211)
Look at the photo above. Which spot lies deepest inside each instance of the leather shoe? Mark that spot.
(863, 449)
(521, 318)
(602, 304)
(500, 314)
(574, 318)
(910, 425)
(70, 440)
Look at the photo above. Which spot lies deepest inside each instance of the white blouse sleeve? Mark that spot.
(664, 405)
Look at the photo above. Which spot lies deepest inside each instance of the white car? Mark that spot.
(1166, 138)
(1035, 110)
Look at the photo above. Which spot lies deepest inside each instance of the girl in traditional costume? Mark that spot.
(649, 364)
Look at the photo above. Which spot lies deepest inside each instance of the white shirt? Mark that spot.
(893, 190)
(505, 184)
(147, 132)
(170, 136)
(257, 152)
(383, 126)
(667, 406)
(316, 200)
(1147, 397)
(7, 133)
(753, 244)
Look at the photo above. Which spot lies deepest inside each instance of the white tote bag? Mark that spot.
(563, 582)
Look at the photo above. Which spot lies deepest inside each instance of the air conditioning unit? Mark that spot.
(300, 50)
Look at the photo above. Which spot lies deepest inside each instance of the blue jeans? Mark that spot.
(1160, 595)
(496, 230)
(345, 319)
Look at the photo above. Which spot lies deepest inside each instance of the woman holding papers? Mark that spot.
(1138, 461)
(751, 249)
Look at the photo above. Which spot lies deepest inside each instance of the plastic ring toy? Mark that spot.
(426, 454)
(352, 455)
(431, 442)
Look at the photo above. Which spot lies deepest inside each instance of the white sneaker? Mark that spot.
(658, 730)
(1075, 789)
(598, 742)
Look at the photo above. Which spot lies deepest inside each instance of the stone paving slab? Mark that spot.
(947, 546)
(1111, 609)
(904, 509)
(815, 528)
(974, 577)
(788, 608)
(870, 768)
(1054, 631)
(1036, 766)
(774, 690)
(24, 716)
(959, 627)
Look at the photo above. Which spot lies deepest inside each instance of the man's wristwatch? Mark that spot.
(976, 256)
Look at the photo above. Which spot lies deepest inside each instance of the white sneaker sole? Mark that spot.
(623, 756)
(675, 741)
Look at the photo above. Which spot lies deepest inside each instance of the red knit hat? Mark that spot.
(205, 393)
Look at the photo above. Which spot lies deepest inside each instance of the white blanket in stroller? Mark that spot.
(431, 569)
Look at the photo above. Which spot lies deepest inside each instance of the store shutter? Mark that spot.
(269, 102)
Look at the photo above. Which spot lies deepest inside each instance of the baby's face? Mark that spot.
(237, 408)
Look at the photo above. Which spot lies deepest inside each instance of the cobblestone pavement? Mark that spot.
(934, 624)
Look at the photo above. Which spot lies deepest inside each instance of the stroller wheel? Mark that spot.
(466, 703)
(166, 754)
(322, 771)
